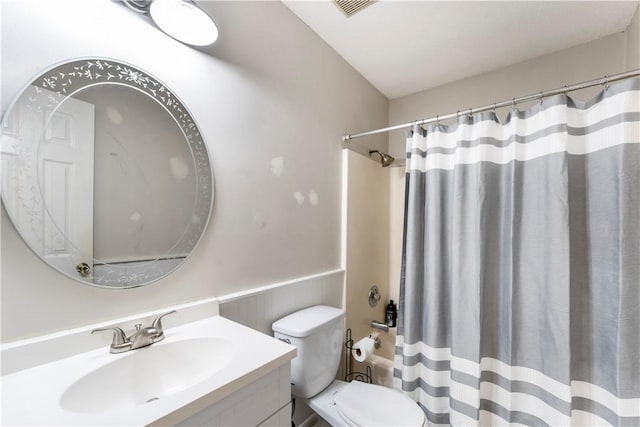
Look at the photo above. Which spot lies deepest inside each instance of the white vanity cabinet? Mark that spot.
(264, 402)
(236, 376)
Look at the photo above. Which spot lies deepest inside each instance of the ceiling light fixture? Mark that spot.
(180, 19)
(184, 21)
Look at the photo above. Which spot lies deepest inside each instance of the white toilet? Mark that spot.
(317, 333)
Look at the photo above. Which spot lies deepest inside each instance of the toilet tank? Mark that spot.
(317, 333)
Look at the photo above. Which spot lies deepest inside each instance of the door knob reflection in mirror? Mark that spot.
(83, 268)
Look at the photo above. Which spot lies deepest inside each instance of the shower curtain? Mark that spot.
(520, 287)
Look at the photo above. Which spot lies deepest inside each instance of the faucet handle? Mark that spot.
(119, 337)
(157, 323)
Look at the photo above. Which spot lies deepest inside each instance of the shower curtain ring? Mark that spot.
(541, 96)
(470, 113)
(566, 89)
(606, 81)
(513, 103)
(437, 120)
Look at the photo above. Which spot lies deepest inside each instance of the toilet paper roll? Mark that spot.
(363, 348)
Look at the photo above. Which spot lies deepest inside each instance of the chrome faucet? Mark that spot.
(142, 337)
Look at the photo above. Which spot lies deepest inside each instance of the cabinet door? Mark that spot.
(253, 405)
(282, 418)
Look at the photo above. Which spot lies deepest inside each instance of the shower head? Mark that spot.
(385, 159)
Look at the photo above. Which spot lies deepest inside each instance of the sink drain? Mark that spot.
(152, 399)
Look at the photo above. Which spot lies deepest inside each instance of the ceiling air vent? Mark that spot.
(351, 7)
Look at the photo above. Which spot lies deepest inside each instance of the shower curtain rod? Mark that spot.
(596, 82)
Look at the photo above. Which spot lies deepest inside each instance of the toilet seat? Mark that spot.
(363, 404)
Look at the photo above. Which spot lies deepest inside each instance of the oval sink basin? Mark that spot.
(148, 374)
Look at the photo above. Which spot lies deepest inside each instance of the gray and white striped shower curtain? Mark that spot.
(520, 289)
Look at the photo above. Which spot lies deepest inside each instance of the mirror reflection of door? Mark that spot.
(61, 143)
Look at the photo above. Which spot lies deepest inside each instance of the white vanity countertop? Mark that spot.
(32, 396)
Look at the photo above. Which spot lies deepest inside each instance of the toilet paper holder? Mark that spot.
(376, 339)
(351, 375)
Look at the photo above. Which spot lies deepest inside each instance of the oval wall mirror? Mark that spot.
(105, 174)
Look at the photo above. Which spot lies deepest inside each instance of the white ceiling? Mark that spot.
(403, 47)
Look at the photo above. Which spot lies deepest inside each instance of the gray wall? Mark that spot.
(269, 89)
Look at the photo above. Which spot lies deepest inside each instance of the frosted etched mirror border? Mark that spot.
(28, 129)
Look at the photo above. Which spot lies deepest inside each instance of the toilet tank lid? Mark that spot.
(305, 322)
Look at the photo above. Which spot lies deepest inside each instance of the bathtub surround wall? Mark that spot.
(273, 129)
(373, 220)
(396, 226)
(366, 242)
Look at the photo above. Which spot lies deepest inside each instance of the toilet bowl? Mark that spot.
(317, 333)
(360, 404)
